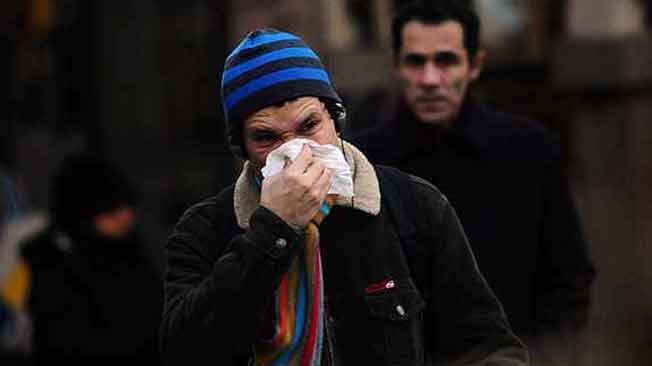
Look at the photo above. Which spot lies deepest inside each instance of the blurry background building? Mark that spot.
(138, 81)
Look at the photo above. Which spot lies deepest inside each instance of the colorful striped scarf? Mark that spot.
(299, 307)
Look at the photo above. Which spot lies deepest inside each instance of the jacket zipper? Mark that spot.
(330, 344)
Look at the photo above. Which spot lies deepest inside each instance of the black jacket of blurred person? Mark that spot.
(94, 297)
(501, 172)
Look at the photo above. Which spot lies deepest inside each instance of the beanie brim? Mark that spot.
(277, 95)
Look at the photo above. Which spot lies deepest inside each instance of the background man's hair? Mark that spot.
(437, 12)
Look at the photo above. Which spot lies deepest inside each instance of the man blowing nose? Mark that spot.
(327, 259)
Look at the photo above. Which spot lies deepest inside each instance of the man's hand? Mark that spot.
(296, 193)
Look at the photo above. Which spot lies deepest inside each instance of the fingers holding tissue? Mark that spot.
(295, 191)
(329, 155)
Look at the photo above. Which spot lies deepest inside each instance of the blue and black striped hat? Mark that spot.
(269, 67)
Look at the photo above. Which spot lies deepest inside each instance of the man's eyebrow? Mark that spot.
(415, 54)
(306, 116)
(260, 129)
(446, 53)
(311, 115)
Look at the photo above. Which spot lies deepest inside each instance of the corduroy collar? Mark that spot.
(246, 196)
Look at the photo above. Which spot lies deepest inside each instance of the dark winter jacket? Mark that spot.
(503, 174)
(220, 275)
(92, 303)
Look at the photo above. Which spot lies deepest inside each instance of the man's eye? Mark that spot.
(447, 59)
(263, 137)
(308, 125)
(414, 61)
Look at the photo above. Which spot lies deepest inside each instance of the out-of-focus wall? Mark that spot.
(159, 64)
(602, 19)
(603, 66)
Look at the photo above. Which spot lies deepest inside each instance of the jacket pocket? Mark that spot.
(395, 318)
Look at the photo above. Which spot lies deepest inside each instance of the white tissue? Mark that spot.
(331, 156)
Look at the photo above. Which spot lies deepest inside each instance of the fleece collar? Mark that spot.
(246, 195)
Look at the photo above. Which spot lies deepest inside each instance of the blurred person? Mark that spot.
(15, 322)
(503, 173)
(328, 260)
(93, 296)
(16, 223)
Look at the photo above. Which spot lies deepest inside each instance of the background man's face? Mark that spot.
(116, 223)
(435, 70)
(270, 127)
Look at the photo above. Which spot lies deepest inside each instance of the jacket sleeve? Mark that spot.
(211, 306)
(467, 322)
(565, 271)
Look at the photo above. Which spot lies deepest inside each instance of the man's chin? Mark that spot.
(434, 118)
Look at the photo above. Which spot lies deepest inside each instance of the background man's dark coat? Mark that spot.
(504, 176)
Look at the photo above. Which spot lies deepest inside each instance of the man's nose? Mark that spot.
(431, 75)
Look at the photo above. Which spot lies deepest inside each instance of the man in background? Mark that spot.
(501, 172)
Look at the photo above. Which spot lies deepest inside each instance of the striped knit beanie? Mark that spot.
(269, 67)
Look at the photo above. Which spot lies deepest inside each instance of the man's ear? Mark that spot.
(477, 64)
